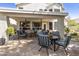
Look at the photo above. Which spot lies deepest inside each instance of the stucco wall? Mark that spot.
(3, 26)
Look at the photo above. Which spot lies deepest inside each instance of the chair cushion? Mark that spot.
(56, 33)
(60, 42)
(64, 42)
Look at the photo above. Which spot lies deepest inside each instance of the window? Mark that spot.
(36, 25)
(40, 9)
(50, 25)
(25, 25)
(45, 9)
(56, 10)
(50, 10)
(20, 7)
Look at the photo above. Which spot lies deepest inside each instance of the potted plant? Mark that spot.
(10, 31)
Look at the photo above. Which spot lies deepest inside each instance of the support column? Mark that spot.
(48, 26)
(8, 21)
(41, 23)
(18, 25)
(31, 25)
(3, 27)
(53, 25)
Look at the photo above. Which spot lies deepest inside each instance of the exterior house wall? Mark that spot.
(43, 6)
(35, 18)
(45, 19)
(3, 27)
(33, 6)
(61, 26)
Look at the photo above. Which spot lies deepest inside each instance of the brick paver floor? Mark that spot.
(30, 47)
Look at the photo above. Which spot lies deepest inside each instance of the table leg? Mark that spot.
(54, 45)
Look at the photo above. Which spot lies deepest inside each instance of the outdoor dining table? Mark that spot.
(53, 39)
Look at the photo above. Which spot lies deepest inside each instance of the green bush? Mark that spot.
(67, 29)
(10, 30)
(74, 34)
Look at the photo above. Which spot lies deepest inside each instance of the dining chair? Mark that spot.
(21, 34)
(44, 42)
(64, 43)
(56, 33)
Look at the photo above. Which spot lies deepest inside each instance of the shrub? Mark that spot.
(67, 29)
(74, 34)
(10, 30)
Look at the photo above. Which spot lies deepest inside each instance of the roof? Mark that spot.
(20, 4)
(32, 12)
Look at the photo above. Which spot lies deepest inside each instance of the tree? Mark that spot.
(77, 26)
(72, 23)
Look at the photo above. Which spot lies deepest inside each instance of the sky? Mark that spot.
(71, 8)
(8, 5)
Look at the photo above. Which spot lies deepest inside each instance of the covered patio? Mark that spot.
(30, 47)
(36, 20)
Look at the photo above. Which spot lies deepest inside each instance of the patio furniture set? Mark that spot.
(46, 39)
